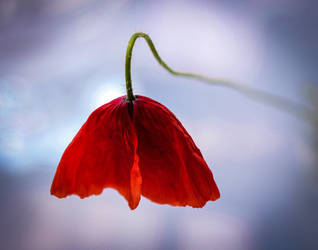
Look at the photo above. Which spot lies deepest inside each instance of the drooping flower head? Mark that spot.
(138, 148)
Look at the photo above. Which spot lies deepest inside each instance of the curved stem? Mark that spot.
(255, 94)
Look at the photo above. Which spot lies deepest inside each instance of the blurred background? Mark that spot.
(59, 60)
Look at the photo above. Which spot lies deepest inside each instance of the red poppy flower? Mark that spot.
(138, 148)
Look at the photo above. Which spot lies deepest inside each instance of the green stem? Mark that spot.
(255, 94)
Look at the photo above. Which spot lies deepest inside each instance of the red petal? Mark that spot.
(101, 155)
(172, 167)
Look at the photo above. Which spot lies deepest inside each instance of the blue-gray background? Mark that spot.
(59, 60)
